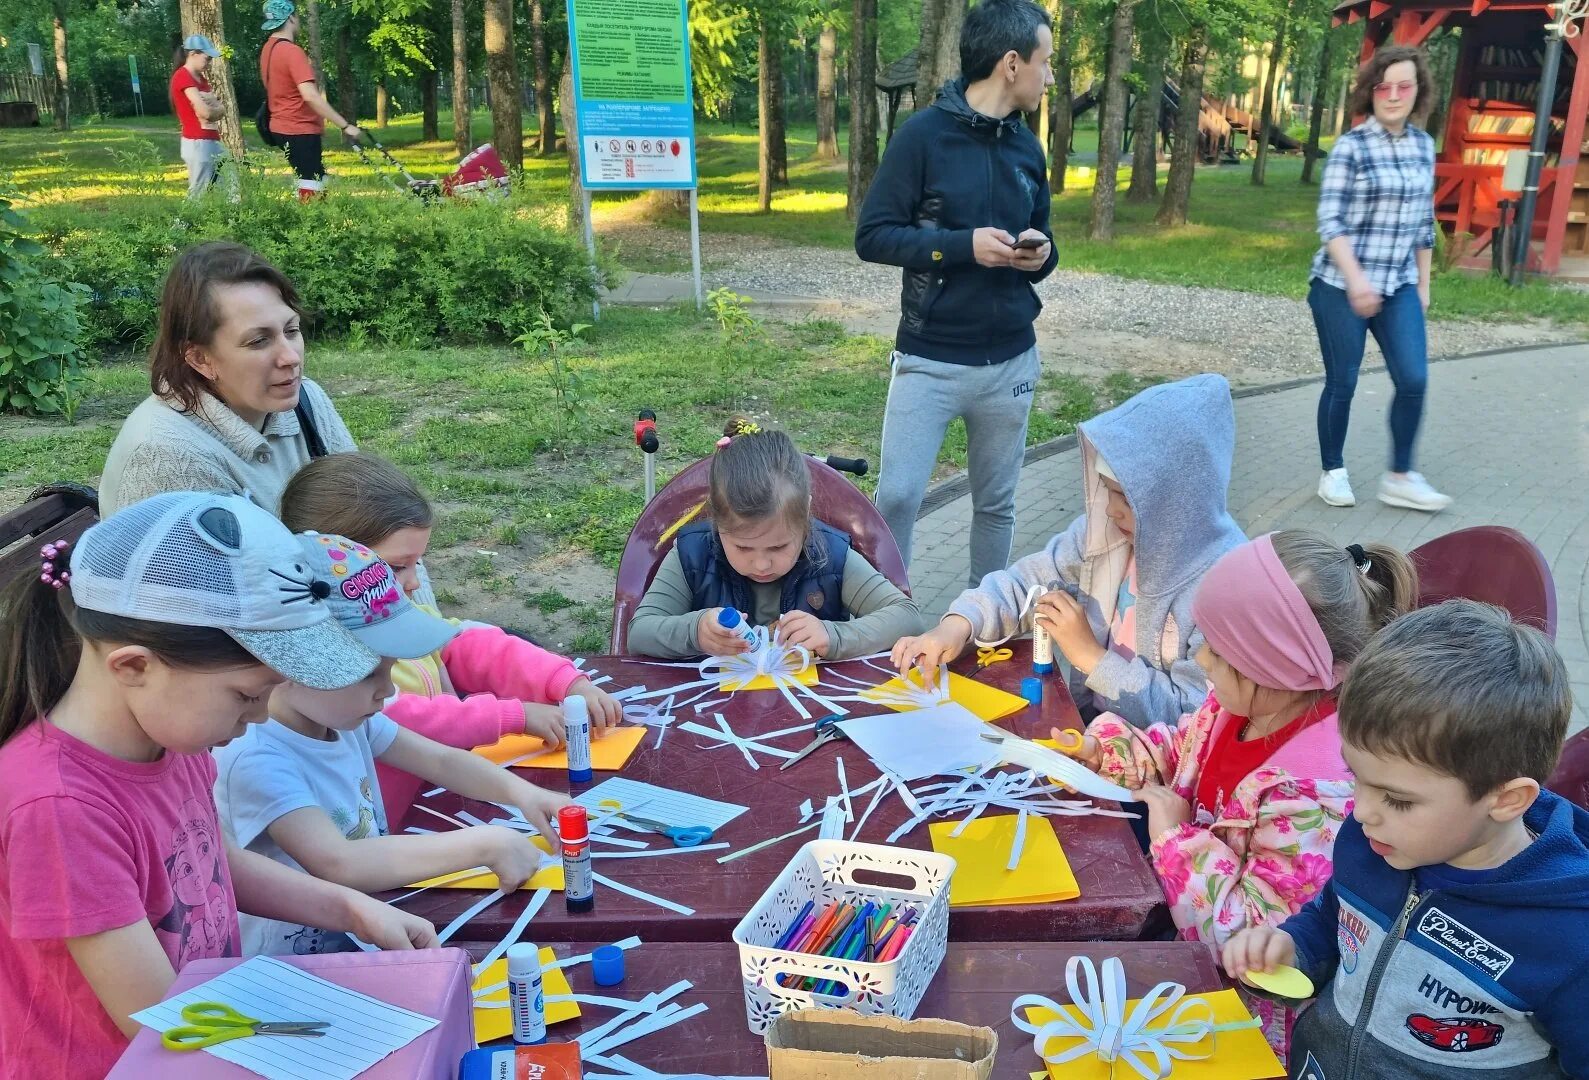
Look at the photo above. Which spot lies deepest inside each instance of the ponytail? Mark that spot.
(1352, 591)
(38, 651)
(1390, 583)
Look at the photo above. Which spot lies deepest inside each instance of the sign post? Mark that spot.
(137, 91)
(634, 103)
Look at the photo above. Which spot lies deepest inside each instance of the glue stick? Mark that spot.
(576, 731)
(579, 888)
(1042, 644)
(731, 620)
(525, 998)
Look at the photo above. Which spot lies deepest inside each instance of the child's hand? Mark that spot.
(545, 722)
(804, 628)
(1166, 809)
(509, 855)
(931, 650)
(539, 807)
(1060, 614)
(1091, 752)
(386, 926)
(1258, 948)
(713, 640)
(606, 711)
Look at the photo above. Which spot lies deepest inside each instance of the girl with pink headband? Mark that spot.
(1245, 795)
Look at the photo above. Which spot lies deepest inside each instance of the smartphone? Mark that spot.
(1031, 243)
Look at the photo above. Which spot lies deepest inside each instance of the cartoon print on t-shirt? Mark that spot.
(199, 919)
(362, 826)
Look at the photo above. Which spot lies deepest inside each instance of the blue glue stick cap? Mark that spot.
(1042, 669)
(728, 618)
(606, 965)
(1032, 690)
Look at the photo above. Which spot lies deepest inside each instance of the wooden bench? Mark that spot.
(54, 512)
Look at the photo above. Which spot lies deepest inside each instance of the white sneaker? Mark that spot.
(1412, 492)
(1336, 489)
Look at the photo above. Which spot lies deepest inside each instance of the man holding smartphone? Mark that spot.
(960, 201)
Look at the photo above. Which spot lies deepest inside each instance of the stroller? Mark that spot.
(481, 172)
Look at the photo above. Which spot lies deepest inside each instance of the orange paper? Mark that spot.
(609, 753)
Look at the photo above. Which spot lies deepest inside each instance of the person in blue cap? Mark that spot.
(298, 110)
(199, 112)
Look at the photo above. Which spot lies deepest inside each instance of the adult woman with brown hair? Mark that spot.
(1371, 274)
(230, 409)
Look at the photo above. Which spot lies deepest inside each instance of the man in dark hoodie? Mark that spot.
(960, 201)
(1451, 938)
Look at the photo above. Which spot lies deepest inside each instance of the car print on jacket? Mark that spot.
(1457, 1034)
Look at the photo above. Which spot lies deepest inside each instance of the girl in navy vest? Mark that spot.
(762, 553)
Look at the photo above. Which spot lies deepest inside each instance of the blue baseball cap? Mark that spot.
(199, 43)
(277, 12)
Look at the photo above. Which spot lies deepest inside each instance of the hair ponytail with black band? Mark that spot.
(1353, 591)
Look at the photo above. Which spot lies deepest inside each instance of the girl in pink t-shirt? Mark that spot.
(128, 655)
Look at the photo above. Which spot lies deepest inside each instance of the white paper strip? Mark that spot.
(618, 841)
(458, 924)
(645, 1026)
(498, 950)
(832, 824)
(459, 876)
(641, 894)
(627, 1004)
(626, 944)
(437, 813)
(650, 852)
(1018, 845)
(767, 843)
(590, 1038)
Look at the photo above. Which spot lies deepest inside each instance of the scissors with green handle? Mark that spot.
(210, 1022)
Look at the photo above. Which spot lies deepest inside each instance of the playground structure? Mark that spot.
(1494, 93)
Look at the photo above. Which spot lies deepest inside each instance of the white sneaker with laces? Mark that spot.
(1336, 489)
(1412, 492)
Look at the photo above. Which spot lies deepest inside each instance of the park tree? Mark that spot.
(772, 158)
(1154, 43)
(546, 142)
(827, 92)
(311, 11)
(863, 103)
(502, 73)
(63, 81)
(1184, 145)
(347, 90)
(1062, 122)
(1321, 82)
(460, 79)
(938, 51)
(1111, 121)
(204, 17)
(1277, 53)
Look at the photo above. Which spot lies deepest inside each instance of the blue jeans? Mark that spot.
(1399, 329)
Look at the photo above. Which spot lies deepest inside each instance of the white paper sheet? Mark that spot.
(944, 739)
(660, 804)
(363, 1030)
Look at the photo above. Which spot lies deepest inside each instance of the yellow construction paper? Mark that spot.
(982, 851)
(1286, 982)
(550, 877)
(806, 676)
(988, 702)
(1233, 1055)
(492, 1024)
(609, 753)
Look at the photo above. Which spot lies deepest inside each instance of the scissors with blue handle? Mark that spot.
(826, 732)
(210, 1022)
(681, 835)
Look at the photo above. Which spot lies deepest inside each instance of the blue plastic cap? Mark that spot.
(606, 965)
(1032, 690)
(1043, 669)
(728, 618)
(581, 776)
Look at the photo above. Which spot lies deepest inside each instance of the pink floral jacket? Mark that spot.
(1268, 852)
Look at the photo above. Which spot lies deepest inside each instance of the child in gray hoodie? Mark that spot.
(1115, 589)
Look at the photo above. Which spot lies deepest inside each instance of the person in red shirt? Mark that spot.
(298, 110)
(199, 111)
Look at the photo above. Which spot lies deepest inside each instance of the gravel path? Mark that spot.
(1094, 322)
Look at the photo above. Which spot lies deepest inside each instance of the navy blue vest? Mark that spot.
(813, 586)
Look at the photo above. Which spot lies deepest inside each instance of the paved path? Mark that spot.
(1507, 435)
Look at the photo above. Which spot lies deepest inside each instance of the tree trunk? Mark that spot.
(1340, 103)
(1183, 154)
(382, 104)
(863, 103)
(316, 57)
(347, 93)
(546, 142)
(1277, 51)
(502, 72)
(827, 95)
(772, 156)
(63, 85)
(1144, 186)
(204, 17)
(1316, 120)
(460, 80)
(938, 50)
(1064, 124)
(429, 129)
(1111, 122)
(576, 187)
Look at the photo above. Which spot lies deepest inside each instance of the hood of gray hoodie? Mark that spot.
(1170, 449)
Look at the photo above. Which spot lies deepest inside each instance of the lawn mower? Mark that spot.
(480, 172)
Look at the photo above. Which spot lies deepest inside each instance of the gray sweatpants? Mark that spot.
(995, 401)
(202, 157)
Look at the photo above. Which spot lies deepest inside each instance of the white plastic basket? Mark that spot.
(824, 871)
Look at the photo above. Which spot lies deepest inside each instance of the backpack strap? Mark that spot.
(311, 434)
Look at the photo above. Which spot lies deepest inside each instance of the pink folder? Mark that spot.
(434, 982)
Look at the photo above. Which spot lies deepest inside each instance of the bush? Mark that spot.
(41, 359)
(378, 264)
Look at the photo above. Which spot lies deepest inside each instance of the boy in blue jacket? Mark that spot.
(1452, 936)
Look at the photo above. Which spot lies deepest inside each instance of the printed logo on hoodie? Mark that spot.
(1471, 946)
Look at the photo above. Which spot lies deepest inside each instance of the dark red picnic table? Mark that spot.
(975, 985)
(1120, 900)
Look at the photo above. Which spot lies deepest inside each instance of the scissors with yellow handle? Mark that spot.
(1070, 742)
(210, 1022)
(987, 655)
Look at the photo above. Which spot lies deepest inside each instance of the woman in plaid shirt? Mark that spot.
(1376, 221)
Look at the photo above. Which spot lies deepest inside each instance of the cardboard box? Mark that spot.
(829, 1044)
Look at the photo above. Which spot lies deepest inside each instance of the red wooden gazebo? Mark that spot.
(1493, 101)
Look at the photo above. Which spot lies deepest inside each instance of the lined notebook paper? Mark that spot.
(660, 804)
(362, 1030)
